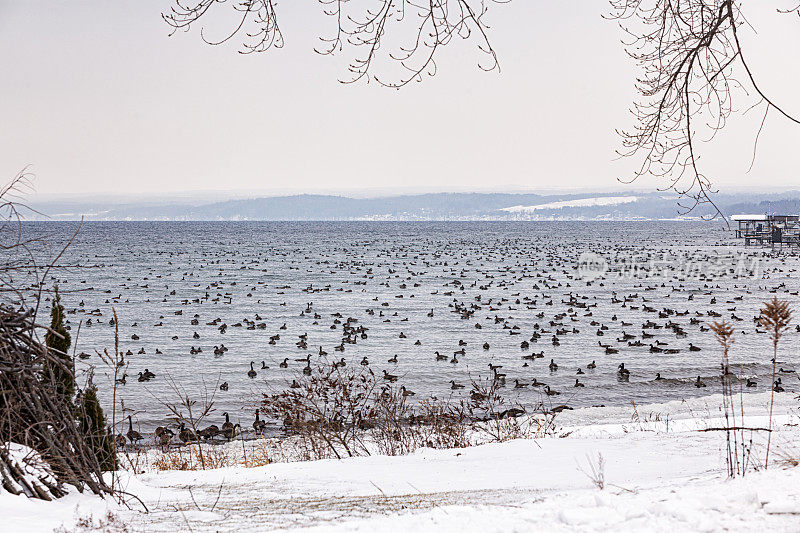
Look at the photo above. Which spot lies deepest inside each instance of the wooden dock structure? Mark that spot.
(768, 229)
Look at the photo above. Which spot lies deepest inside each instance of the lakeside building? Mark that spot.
(768, 229)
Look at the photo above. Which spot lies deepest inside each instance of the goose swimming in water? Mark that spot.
(454, 385)
(251, 373)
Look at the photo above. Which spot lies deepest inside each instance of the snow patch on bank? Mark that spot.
(583, 202)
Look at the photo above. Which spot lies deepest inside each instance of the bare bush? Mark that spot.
(338, 412)
(775, 318)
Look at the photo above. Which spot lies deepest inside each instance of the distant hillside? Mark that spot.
(439, 206)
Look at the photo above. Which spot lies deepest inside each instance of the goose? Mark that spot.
(209, 433)
(264, 366)
(513, 412)
(658, 376)
(251, 373)
(777, 386)
(592, 365)
(518, 385)
(693, 348)
(389, 377)
(223, 386)
(550, 392)
(553, 366)
(454, 385)
(230, 433)
(578, 383)
(406, 392)
(622, 371)
(259, 425)
(698, 383)
(186, 435)
(285, 363)
(163, 437)
(133, 435)
(751, 382)
(227, 425)
(580, 372)
(365, 361)
(392, 359)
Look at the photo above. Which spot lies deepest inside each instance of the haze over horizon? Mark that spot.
(99, 100)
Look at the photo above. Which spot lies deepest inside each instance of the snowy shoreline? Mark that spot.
(662, 473)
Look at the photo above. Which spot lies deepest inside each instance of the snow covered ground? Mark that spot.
(662, 473)
(583, 202)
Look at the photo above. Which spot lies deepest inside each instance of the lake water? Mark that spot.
(514, 279)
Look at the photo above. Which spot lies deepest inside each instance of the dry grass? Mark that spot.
(172, 461)
(110, 523)
(260, 454)
(257, 456)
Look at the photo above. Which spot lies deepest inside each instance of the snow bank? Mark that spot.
(583, 202)
(661, 473)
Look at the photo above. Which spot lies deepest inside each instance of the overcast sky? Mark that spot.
(98, 99)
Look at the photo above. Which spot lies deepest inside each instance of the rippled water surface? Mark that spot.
(512, 279)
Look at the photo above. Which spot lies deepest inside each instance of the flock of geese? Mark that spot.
(506, 301)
